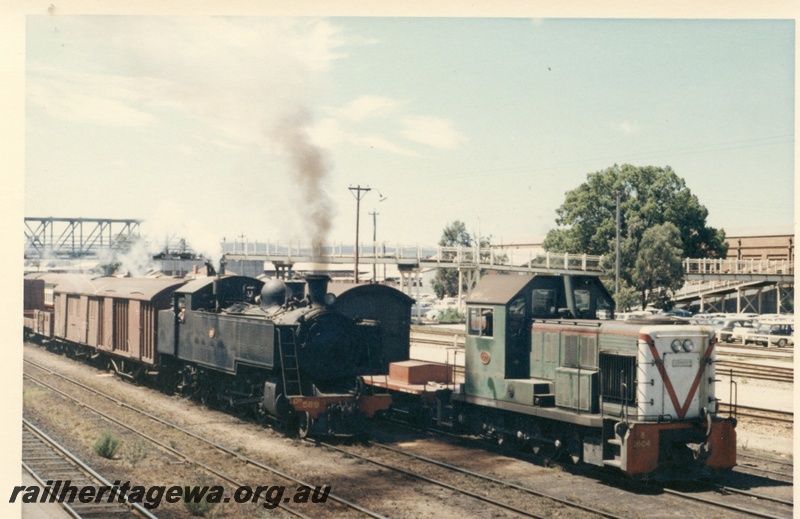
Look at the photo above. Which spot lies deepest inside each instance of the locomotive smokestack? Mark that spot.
(317, 285)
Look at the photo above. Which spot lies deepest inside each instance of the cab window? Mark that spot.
(480, 322)
(543, 302)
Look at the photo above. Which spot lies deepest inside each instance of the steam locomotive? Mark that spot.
(540, 369)
(287, 350)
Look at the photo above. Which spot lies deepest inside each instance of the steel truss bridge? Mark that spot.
(77, 237)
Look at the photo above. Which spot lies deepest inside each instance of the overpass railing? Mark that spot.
(421, 255)
(737, 266)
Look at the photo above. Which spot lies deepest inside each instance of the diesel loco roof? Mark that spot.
(496, 289)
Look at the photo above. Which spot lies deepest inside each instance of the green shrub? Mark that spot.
(451, 316)
(107, 445)
(137, 453)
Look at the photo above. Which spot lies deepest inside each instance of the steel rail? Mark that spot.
(666, 490)
(749, 511)
(494, 480)
(67, 455)
(781, 415)
(427, 479)
(198, 437)
(765, 458)
(754, 495)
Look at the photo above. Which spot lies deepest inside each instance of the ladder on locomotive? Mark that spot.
(290, 369)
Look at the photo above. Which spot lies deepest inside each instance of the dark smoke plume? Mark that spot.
(309, 168)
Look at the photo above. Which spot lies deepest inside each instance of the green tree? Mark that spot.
(658, 270)
(649, 197)
(626, 298)
(454, 235)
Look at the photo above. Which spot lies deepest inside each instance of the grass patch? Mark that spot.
(107, 445)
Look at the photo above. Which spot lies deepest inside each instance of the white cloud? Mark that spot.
(432, 131)
(379, 143)
(367, 107)
(329, 133)
(625, 127)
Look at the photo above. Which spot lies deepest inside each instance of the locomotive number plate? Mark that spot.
(682, 363)
(302, 403)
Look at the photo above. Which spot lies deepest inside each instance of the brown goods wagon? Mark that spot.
(122, 315)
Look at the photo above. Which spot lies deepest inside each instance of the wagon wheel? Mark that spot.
(304, 424)
(781, 343)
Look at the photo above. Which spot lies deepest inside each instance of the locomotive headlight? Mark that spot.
(688, 345)
(676, 345)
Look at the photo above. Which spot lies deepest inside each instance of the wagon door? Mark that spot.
(107, 318)
(148, 333)
(134, 328)
(120, 344)
(60, 316)
(93, 327)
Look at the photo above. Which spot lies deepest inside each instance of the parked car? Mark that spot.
(677, 312)
(778, 334)
(725, 329)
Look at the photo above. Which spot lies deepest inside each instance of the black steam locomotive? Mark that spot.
(283, 349)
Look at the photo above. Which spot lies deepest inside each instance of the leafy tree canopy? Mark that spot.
(649, 195)
(661, 222)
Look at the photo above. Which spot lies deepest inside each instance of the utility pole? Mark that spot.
(374, 215)
(616, 279)
(357, 193)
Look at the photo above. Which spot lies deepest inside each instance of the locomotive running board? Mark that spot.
(562, 415)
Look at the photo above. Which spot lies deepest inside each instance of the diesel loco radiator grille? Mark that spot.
(617, 370)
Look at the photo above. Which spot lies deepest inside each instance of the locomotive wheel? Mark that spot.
(304, 424)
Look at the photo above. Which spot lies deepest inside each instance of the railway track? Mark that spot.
(755, 371)
(479, 482)
(780, 470)
(758, 413)
(427, 479)
(477, 488)
(48, 462)
(204, 443)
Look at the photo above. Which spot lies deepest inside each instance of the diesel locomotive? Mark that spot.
(273, 349)
(540, 369)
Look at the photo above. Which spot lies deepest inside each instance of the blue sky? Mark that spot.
(196, 123)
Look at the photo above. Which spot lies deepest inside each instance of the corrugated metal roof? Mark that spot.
(497, 289)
